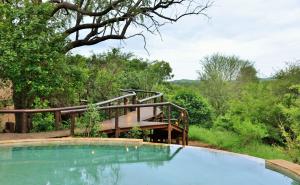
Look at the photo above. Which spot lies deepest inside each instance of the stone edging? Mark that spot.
(69, 140)
(287, 168)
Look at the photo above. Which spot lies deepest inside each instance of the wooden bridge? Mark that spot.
(147, 110)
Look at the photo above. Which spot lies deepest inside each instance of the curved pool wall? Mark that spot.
(127, 162)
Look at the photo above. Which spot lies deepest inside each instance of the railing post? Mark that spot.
(169, 125)
(133, 102)
(154, 109)
(73, 122)
(57, 115)
(162, 108)
(117, 129)
(138, 114)
(125, 103)
(184, 128)
(109, 111)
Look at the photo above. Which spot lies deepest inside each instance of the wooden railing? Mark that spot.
(114, 108)
(181, 122)
(27, 113)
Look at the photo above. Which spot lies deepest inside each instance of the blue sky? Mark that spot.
(266, 32)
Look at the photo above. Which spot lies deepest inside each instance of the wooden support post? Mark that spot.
(24, 126)
(186, 139)
(125, 103)
(57, 115)
(162, 108)
(154, 110)
(73, 122)
(138, 114)
(117, 129)
(169, 125)
(109, 111)
(133, 102)
(183, 138)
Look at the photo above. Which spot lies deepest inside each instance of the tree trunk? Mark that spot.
(21, 102)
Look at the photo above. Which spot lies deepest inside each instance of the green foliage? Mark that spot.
(226, 68)
(31, 50)
(91, 122)
(216, 77)
(200, 112)
(248, 131)
(231, 141)
(290, 122)
(137, 133)
(42, 121)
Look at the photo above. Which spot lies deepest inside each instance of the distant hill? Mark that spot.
(186, 82)
(266, 79)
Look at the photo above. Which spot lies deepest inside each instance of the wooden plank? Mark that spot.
(130, 119)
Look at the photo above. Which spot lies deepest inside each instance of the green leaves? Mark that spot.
(31, 49)
(200, 113)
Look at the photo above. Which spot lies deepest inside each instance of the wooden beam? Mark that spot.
(169, 125)
(138, 114)
(73, 122)
(117, 128)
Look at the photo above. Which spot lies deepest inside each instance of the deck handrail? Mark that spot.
(65, 108)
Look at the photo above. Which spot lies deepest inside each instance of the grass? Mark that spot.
(232, 142)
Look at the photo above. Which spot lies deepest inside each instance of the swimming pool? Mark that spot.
(131, 165)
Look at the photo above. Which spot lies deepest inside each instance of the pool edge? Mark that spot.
(284, 167)
(68, 140)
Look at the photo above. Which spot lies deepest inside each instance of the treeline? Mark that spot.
(250, 111)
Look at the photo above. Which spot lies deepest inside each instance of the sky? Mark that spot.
(265, 32)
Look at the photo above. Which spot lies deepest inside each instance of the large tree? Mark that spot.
(35, 35)
(94, 21)
(217, 76)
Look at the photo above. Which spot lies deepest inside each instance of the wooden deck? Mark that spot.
(126, 122)
(147, 115)
(130, 120)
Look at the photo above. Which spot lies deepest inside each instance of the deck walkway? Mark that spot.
(130, 120)
(145, 113)
(126, 122)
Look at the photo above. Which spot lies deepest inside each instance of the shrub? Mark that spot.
(231, 141)
(91, 122)
(249, 132)
(42, 121)
(200, 112)
(137, 133)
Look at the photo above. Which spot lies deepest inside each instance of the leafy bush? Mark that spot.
(231, 141)
(290, 122)
(42, 121)
(90, 122)
(249, 132)
(200, 112)
(137, 133)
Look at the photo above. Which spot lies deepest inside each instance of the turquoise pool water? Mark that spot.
(131, 165)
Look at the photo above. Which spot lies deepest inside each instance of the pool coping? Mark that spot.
(68, 140)
(287, 168)
(284, 167)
